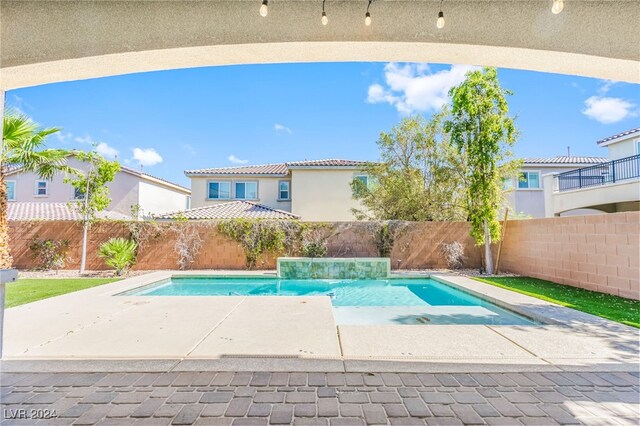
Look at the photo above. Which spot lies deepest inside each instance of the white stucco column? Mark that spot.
(549, 185)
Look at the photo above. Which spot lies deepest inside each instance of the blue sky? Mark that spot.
(221, 116)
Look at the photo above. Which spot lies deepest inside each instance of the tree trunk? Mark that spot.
(83, 259)
(488, 258)
(5, 256)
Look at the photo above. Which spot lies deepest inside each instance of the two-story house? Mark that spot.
(317, 190)
(526, 193)
(609, 187)
(30, 197)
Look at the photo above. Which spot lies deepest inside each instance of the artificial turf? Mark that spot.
(626, 311)
(29, 290)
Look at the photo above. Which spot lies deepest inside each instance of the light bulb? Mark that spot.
(557, 7)
(325, 20)
(367, 19)
(264, 9)
(440, 21)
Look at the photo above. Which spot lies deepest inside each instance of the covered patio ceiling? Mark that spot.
(55, 40)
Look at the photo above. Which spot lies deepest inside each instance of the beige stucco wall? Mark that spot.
(267, 190)
(323, 194)
(625, 148)
(159, 199)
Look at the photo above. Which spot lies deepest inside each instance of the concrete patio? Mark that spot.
(273, 333)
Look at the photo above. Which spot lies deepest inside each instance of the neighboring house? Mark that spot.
(609, 187)
(527, 192)
(230, 210)
(53, 211)
(130, 188)
(317, 190)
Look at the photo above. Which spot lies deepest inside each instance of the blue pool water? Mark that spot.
(388, 301)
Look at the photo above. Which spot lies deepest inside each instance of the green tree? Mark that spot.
(93, 193)
(419, 176)
(23, 146)
(483, 133)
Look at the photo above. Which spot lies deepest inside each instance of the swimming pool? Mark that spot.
(356, 302)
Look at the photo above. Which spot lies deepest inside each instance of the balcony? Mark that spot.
(600, 174)
(608, 187)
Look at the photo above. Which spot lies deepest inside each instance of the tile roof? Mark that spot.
(279, 169)
(566, 160)
(51, 211)
(232, 210)
(619, 135)
(330, 162)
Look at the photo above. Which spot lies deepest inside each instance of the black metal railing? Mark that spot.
(600, 174)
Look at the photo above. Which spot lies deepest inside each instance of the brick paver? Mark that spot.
(264, 398)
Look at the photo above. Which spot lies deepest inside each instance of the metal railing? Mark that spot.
(600, 174)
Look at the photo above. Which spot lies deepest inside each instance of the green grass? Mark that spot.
(615, 308)
(29, 290)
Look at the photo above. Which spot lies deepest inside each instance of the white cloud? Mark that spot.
(146, 157)
(188, 148)
(236, 160)
(606, 86)
(608, 110)
(106, 151)
(63, 137)
(84, 139)
(414, 88)
(282, 129)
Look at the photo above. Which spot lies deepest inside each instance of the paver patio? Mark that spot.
(261, 398)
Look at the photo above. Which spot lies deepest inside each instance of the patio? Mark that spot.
(248, 333)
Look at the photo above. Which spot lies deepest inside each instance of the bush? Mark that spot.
(51, 254)
(453, 254)
(119, 253)
(314, 240)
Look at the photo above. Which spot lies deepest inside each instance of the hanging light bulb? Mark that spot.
(367, 16)
(440, 21)
(264, 9)
(325, 20)
(557, 6)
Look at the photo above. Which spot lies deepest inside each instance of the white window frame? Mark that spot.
(539, 188)
(46, 189)
(15, 187)
(235, 195)
(288, 182)
(209, 182)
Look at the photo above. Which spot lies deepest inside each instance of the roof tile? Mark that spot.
(619, 135)
(566, 160)
(232, 210)
(52, 211)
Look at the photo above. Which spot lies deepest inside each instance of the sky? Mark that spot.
(169, 121)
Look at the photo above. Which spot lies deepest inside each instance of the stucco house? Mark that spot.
(317, 190)
(526, 193)
(609, 187)
(30, 197)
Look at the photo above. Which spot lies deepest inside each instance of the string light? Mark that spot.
(325, 20)
(367, 16)
(440, 21)
(264, 9)
(557, 6)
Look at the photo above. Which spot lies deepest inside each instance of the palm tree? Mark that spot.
(23, 147)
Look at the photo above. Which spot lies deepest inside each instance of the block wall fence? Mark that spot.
(598, 252)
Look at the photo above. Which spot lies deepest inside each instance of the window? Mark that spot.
(219, 190)
(11, 190)
(41, 188)
(78, 194)
(247, 190)
(364, 179)
(507, 184)
(529, 180)
(283, 190)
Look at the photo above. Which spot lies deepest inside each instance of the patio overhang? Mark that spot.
(52, 41)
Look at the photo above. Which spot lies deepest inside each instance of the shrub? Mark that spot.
(453, 254)
(188, 242)
(314, 240)
(383, 238)
(119, 253)
(51, 254)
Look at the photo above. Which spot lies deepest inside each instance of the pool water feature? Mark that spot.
(355, 302)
